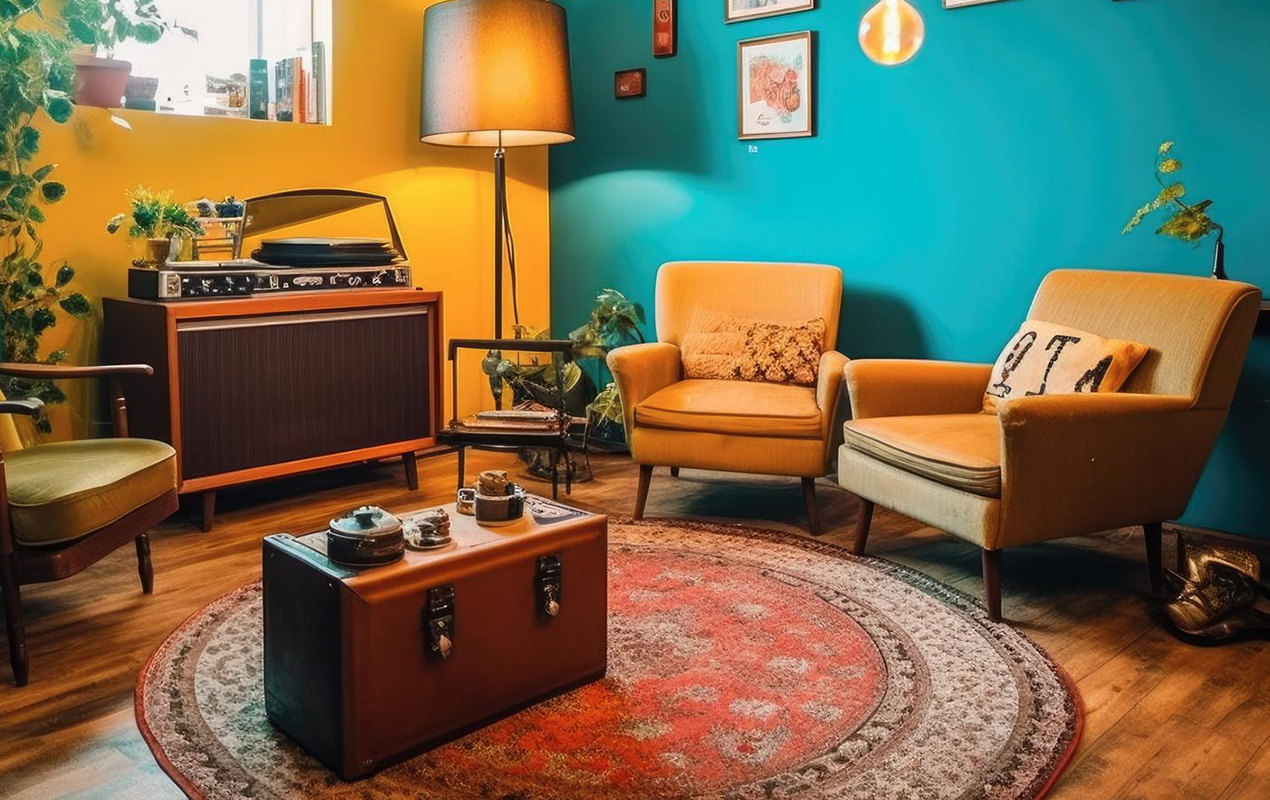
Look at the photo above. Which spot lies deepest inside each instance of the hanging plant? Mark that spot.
(35, 73)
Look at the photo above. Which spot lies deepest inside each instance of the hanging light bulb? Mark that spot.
(891, 32)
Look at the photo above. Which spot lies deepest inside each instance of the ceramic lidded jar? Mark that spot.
(365, 536)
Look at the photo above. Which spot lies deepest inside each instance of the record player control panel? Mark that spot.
(215, 285)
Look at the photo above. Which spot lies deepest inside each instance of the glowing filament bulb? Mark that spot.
(891, 32)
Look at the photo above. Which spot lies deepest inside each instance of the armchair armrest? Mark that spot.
(902, 387)
(54, 372)
(1080, 463)
(640, 370)
(828, 387)
(31, 407)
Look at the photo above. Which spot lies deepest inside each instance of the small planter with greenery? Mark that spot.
(99, 26)
(35, 74)
(164, 224)
(1189, 222)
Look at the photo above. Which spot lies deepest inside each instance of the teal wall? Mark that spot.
(1019, 140)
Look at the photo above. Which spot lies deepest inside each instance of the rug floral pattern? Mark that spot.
(742, 664)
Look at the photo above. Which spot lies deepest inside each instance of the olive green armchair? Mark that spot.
(66, 505)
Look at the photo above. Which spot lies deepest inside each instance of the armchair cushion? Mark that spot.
(722, 346)
(1044, 358)
(62, 491)
(962, 451)
(734, 407)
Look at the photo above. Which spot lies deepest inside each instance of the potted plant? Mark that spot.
(35, 73)
(159, 220)
(614, 321)
(99, 26)
(1190, 221)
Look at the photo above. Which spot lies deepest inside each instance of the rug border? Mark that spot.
(1064, 762)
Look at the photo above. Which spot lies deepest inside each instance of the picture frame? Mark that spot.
(776, 86)
(665, 28)
(742, 10)
(630, 83)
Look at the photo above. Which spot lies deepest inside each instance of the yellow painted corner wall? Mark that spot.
(442, 198)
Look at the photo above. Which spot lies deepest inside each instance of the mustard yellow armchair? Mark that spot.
(1050, 466)
(726, 425)
(66, 505)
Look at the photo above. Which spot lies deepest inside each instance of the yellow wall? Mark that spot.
(441, 197)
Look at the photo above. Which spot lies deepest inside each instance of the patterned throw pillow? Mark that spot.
(723, 347)
(1043, 358)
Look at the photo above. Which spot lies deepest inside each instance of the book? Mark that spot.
(284, 96)
(299, 95)
(258, 89)
(310, 104)
(319, 82)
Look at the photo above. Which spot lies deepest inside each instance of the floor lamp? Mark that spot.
(496, 74)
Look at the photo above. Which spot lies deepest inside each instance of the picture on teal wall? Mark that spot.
(741, 10)
(774, 86)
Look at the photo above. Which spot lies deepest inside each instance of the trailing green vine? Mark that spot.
(36, 73)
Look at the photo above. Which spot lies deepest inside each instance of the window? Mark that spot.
(258, 59)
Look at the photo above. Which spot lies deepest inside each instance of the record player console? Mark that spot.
(293, 264)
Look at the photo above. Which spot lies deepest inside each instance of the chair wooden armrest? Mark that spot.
(57, 372)
(31, 407)
(54, 372)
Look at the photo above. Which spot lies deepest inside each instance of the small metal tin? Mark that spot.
(365, 536)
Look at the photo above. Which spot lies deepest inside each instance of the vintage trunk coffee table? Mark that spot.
(368, 666)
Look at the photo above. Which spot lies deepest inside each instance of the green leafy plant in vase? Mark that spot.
(99, 26)
(35, 75)
(614, 321)
(1188, 222)
(163, 223)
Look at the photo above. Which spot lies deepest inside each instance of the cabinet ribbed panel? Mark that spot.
(260, 391)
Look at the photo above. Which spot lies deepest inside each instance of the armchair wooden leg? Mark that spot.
(641, 494)
(144, 568)
(1154, 533)
(992, 583)
(674, 472)
(809, 499)
(411, 463)
(862, 527)
(18, 656)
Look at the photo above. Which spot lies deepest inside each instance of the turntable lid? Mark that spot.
(272, 212)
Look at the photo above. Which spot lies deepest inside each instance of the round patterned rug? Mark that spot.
(742, 664)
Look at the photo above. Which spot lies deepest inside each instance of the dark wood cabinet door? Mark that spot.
(269, 389)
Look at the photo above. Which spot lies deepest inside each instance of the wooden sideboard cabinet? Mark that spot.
(255, 388)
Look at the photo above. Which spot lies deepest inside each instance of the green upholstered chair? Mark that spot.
(66, 505)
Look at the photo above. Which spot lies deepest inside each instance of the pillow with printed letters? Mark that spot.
(1043, 358)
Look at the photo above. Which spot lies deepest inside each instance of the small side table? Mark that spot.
(556, 439)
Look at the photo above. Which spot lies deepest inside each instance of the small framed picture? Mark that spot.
(665, 28)
(630, 83)
(775, 83)
(741, 10)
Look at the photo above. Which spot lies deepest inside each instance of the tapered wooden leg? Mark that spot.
(209, 511)
(674, 472)
(641, 494)
(862, 527)
(992, 583)
(144, 568)
(18, 656)
(809, 500)
(462, 466)
(1154, 533)
(411, 463)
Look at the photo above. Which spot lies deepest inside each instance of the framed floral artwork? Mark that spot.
(741, 10)
(775, 83)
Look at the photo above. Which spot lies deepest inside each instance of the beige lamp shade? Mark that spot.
(496, 72)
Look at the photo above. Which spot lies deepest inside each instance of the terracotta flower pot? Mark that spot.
(100, 81)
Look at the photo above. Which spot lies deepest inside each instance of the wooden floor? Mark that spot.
(1164, 719)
